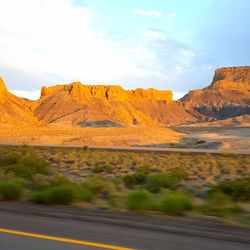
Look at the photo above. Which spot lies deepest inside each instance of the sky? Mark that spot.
(163, 44)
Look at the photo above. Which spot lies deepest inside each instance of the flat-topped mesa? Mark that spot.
(107, 92)
(239, 74)
(227, 96)
(231, 78)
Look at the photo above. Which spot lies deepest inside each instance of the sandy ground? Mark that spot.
(88, 136)
(215, 137)
(235, 138)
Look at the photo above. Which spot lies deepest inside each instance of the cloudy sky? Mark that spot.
(165, 44)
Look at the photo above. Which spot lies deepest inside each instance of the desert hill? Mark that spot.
(14, 110)
(228, 95)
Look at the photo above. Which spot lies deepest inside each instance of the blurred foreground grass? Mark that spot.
(169, 183)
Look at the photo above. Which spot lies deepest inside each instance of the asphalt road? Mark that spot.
(140, 149)
(129, 231)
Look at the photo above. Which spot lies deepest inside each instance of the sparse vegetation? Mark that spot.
(63, 195)
(175, 204)
(27, 166)
(238, 189)
(11, 190)
(139, 200)
(170, 184)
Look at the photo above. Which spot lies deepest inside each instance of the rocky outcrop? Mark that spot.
(14, 110)
(3, 88)
(76, 104)
(233, 74)
(227, 96)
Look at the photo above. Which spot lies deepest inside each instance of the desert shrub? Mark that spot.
(129, 181)
(99, 186)
(218, 198)
(28, 166)
(175, 204)
(63, 195)
(138, 178)
(220, 211)
(11, 190)
(139, 200)
(84, 194)
(238, 189)
(58, 179)
(85, 148)
(8, 158)
(155, 182)
(100, 169)
(97, 169)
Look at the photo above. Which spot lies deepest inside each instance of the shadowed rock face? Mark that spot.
(227, 96)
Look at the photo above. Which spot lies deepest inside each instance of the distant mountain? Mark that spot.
(228, 95)
(76, 104)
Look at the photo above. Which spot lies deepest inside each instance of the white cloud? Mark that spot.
(187, 53)
(178, 95)
(55, 37)
(152, 13)
(31, 95)
(173, 14)
(155, 35)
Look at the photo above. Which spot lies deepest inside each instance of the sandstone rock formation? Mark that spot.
(14, 110)
(227, 96)
(81, 105)
(76, 104)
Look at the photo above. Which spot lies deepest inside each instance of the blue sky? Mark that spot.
(165, 44)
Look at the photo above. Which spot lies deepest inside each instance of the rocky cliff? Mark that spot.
(79, 104)
(227, 96)
(76, 104)
(14, 110)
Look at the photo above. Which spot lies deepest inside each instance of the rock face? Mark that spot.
(81, 105)
(14, 110)
(227, 96)
(233, 74)
(77, 104)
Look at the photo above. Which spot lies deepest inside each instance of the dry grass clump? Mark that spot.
(79, 163)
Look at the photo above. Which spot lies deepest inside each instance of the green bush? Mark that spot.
(28, 166)
(220, 211)
(98, 185)
(58, 180)
(10, 190)
(139, 200)
(129, 181)
(84, 194)
(63, 195)
(8, 158)
(156, 181)
(218, 198)
(175, 204)
(238, 190)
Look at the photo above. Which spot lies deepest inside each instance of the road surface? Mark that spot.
(139, 149)
(60, 228)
